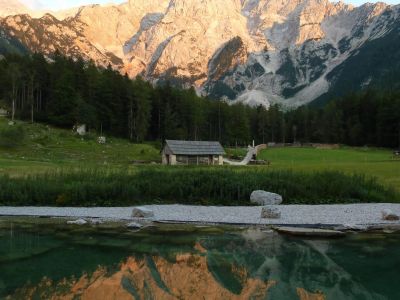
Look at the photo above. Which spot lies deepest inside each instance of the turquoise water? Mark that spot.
(52, 261)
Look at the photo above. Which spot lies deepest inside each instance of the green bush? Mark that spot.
(211, 186)
(12, 136)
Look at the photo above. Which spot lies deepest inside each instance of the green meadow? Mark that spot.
(44, 148)
(371, 162)
(48, 151)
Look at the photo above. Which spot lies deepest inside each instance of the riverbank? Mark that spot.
(350, 215)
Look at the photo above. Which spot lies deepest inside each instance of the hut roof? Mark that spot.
(194, 148)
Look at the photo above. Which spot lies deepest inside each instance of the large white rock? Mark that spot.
(142, 212)
(270, 213)
(265, 198)
(389, 215)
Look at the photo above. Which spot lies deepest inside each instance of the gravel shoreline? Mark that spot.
(326, 215)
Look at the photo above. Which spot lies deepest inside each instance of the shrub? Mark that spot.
(12, 136)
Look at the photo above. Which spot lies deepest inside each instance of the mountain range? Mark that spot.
(291, 52)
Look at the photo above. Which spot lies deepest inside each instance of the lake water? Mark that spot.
(48, 260)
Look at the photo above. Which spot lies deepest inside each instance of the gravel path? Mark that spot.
(353, 214)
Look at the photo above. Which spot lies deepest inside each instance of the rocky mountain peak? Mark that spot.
(148, 6)
(255, 51)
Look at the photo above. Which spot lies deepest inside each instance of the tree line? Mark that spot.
(65, 92)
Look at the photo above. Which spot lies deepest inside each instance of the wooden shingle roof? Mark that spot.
(194, 148)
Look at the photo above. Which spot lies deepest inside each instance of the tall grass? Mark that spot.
(187, 185)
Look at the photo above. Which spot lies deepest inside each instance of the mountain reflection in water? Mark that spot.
(198, 264)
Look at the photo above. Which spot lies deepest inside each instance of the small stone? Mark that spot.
(77, 222)
(270, 213)
(96, 221)
(142, 212)
(389, 215)
(356, 227)
(134, 225)
(265, 198)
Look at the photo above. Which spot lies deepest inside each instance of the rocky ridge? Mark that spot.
(251, 51)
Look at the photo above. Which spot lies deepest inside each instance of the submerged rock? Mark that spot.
(142, 212)
(389, 215)
(265, 198)
(270, 213)
(134, 225)
(310, 231)
(77, 222)
(355, 227)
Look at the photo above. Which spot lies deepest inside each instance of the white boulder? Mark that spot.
(77, 222)
(389, 215)
(265, 198)
(270, 213)
(142, 212)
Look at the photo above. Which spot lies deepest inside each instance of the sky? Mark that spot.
(60, 4)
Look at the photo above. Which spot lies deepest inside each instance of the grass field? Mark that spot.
(45, 148)
(371, 162)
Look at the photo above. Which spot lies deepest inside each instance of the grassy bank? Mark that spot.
(207, 186)
(44, 148)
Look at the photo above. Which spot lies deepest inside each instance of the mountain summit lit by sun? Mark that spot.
(59, 4)
(260, 52)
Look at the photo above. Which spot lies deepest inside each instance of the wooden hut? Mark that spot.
(192, 152)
